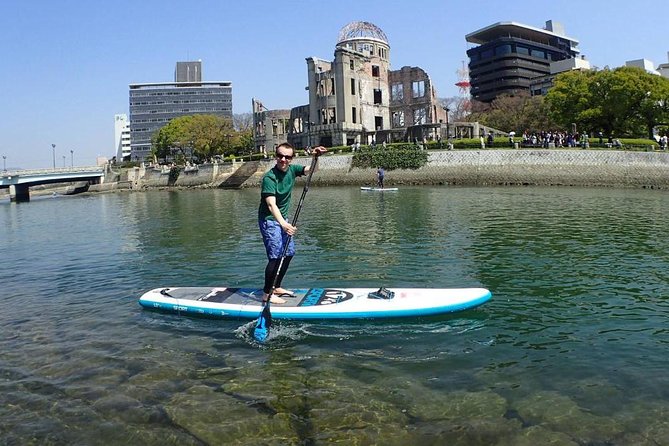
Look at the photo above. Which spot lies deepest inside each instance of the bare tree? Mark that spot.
(242, 121)
(459, 107)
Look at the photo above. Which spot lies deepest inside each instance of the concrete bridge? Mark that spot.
(20, 181)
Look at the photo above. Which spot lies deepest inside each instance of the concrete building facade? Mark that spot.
(122, 137)
(153, 105)
(663, 68)
(509, 55)
(188, 71)
(644, 64)
(270, 127)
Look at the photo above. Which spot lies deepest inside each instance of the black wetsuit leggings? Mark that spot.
(270, 272)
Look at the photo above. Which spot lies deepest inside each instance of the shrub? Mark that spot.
(395, 156)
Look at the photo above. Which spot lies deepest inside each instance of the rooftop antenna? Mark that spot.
(464, 85)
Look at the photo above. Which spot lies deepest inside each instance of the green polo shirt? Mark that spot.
(280, 185)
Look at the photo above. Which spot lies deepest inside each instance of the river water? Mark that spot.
(571, 349)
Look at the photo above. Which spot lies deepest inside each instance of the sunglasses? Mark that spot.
(282, 156)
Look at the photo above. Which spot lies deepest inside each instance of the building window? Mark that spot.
(398, 119)
(419, 116)
(352, 86)
(377, 96)
(418, 89)
(502, 49)
(353, 115)
(522, 50)
(397, 92)
(375, 70)
(351, 64)
(538, 53)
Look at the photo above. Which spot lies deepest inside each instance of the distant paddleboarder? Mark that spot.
(380, 174)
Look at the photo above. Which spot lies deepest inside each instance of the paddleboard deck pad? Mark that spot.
(379, 189)
(315, 303)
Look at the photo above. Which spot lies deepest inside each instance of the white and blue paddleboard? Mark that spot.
(315, 303)
(379, 189)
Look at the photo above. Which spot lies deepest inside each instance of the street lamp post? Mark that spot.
(228, 136)
(53, 146)
(71, 158)
(4, 163)
(448, 128)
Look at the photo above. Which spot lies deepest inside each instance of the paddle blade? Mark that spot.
(261, 330)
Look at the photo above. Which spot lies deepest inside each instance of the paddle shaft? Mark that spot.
(294, 222)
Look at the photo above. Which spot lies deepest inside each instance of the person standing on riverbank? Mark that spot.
(275, 196)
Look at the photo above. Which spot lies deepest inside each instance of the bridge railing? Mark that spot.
(24, 172)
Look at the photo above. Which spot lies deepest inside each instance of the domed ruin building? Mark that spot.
(358, 98)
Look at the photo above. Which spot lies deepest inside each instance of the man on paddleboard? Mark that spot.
(380, 174)
(275, 195)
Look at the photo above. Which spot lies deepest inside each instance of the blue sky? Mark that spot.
(67, 64)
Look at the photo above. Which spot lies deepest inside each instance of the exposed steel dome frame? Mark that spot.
(364, 30)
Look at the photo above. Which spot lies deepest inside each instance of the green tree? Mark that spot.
(208, 135)
(199, 136)
(170, 138)
(569, 98)
(514, 113)
(652, 103)
(624, 101)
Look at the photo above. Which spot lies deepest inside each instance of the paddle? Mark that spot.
(261, 330)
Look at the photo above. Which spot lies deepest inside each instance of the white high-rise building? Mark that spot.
(646, 64)
(122, 137)
(663, 68)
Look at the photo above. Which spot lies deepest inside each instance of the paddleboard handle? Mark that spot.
(381, 293)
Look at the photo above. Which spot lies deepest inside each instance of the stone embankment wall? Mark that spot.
(520, 167)
(467, 167)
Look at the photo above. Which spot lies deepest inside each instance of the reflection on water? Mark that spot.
(570, 350)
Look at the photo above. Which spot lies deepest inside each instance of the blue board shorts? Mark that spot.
(275, 239)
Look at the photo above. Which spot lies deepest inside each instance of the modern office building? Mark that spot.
(540, 85)
(356, 98)
(122, 137)
(153, 105)
(508, 55)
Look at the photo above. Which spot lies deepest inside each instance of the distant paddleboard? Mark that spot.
(316, 303)
(379, 189)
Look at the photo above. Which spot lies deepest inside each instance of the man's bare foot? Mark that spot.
(282, 291)
(274, 299)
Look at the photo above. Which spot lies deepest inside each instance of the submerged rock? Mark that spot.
(216, 418)
(559, 413)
